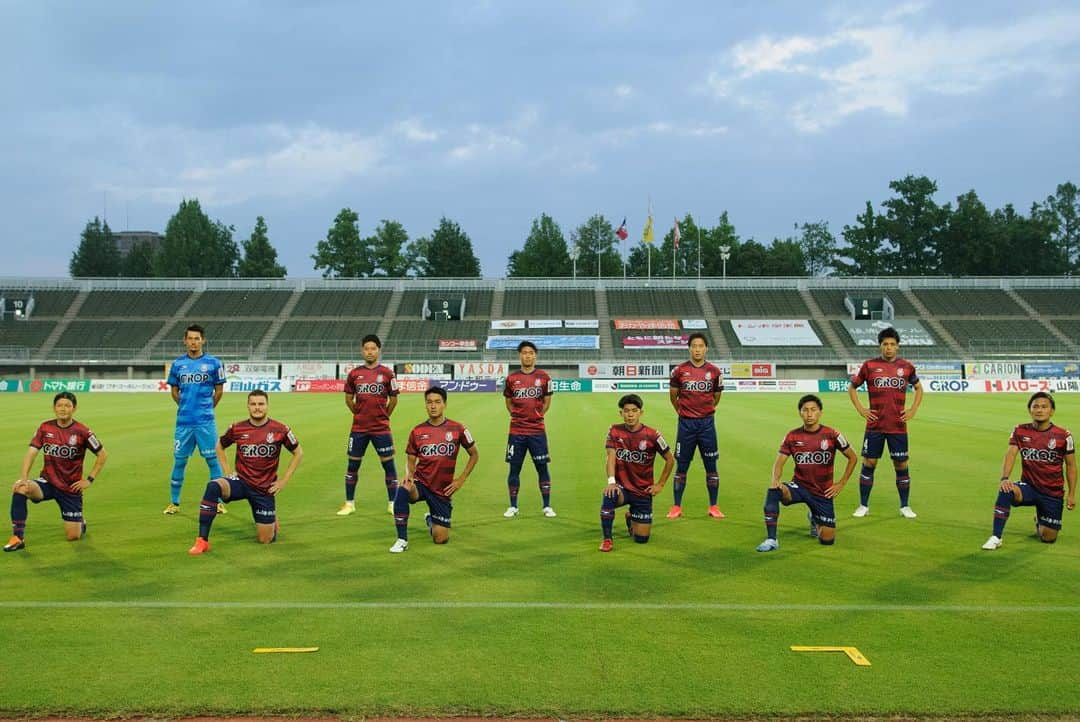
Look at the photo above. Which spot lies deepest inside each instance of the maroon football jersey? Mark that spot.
(526, 392)
(371, 388)
(258, 450)
(696, 385)
(436, 450)
(1042, 456)
(64, 448)
(635, 452)
(887, 383)
(814, 453)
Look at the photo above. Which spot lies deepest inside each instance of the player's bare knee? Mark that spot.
(73, 534)
(826, 535)
(440, 534)
(1047, 535)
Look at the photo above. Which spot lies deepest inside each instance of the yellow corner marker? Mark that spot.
(853, 653)
(283, 650)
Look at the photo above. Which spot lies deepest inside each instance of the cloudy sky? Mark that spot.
(493, 112)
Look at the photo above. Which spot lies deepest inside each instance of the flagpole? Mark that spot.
(699, 253)
(598, 247)
(673, 252)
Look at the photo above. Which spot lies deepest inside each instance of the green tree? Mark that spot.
(913, 223)
(387, 249)
(596, 237)
(785, 258)
(97, 255)
(685, 256)
(416, 257)
(196, 246)
(749, 258)
(971, 243)
(450, 252)
(868, 252)
(1064, 206)
(544, 255)
(343, 254)
(818, 246)
(1028, 245)
(260, 258)
(139, 262)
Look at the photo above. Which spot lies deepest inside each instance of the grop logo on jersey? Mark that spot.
(889, 382)
(632, 455)
(261, 451)
(444, 449)
(61, 451)
(1045, 455)
(813, 457)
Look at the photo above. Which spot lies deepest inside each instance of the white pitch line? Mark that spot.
(568, 606)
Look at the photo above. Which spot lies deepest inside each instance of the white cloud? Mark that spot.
(884, 65)
(413, 129)
(623, 91)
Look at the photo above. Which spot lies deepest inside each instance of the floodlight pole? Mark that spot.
(725, 254)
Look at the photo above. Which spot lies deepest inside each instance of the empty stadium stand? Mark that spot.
(142, 321)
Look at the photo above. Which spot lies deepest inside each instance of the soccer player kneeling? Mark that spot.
(63, 442)
(631, 452)
(1044, 448)
(258, 442)
(814, 448)
(432, 458)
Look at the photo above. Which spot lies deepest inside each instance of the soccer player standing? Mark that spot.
(887, 380)
(695, 389)
(370, 394)
(1044, 449)
(631, 453)
(259, 440)
(63, 442)
(814, 448)
(432, 460)
(528, 397)
(196, 380)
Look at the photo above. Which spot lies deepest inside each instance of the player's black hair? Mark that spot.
(696, 335)
(1041, 395)
(371, 338)
(526, 344)
(436, 390)
(889, 332)
(65, 395)
(196, 328)
(811, 397)
(258, 392)
(631, 399)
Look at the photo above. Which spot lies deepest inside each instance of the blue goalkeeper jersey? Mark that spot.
(196, 379)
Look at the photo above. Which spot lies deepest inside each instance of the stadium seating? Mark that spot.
(108, 334)
(1070, 327)
(126, 304)
(1052, 301)
(999, 335)
(831, 302)
(25, 334)
(477, 302)
(549, 303)
(969, 302)
(238, 304)
(343, 304)
(758, 303)
(46, 303)
(653, 303)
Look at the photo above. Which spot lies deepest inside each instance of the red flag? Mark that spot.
(621, 233)
(676, 236)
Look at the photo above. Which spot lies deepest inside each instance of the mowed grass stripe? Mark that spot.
(570, 606)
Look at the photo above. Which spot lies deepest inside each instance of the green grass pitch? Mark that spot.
(523, 616)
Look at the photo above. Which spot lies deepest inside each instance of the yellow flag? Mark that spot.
(647, 234)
